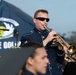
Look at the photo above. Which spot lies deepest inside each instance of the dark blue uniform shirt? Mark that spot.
(26, 72)
(56, 56)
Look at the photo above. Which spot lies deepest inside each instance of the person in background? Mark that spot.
(37, 62)
(41, 35)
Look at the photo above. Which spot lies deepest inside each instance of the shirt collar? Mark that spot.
(26, 72)
(39, 31)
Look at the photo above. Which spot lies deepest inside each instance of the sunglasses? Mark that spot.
(42, 19)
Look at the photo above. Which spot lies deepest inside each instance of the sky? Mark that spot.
(62, 13)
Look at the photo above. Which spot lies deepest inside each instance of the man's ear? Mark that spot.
(34, 20)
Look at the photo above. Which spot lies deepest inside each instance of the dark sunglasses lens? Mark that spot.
(42, 19)
(47, 19)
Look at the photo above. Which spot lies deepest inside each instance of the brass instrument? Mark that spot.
(71, 52)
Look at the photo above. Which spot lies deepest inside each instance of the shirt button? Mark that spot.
(50, 68)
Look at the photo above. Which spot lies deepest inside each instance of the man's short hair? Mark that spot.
(40, 10)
